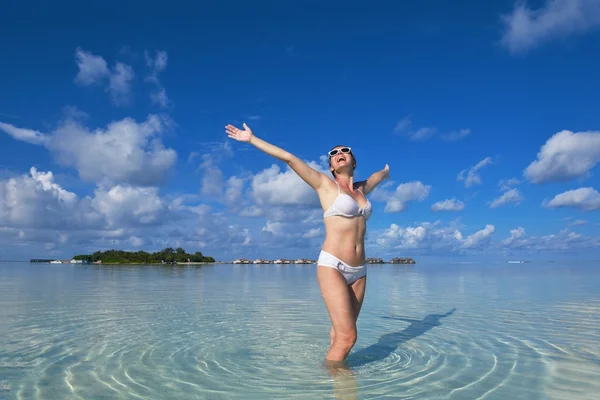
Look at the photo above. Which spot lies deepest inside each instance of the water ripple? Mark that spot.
(193, 338)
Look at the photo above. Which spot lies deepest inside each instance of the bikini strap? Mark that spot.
(338, 185)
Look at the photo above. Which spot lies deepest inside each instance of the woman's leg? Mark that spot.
(339, 303)
(357, 295)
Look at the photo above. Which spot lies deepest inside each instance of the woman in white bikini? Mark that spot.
(341, 267)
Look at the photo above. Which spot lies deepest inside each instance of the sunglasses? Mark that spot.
(343, 150)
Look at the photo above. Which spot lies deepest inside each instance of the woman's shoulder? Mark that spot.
(359, 184)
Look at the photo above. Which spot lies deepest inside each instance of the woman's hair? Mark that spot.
(329, 158)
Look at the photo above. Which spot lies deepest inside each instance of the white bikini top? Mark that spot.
(344, 205)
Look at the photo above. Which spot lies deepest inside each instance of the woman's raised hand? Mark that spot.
(238, 134)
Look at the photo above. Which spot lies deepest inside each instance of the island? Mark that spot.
(165, 256)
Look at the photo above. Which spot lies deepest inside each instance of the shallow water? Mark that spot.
(499, 331)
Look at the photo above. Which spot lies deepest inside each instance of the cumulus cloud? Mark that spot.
(125, 152)
(510, 196)
(37, 201)
(565, 156)
(437, 238)
(584, 199)
(404, 193)
(290, 208)
(431, 236)
(471, 175)
(515, 236)
(39, 215)
(526, 28)
(479, 238)
(93, 71)
(565, 240)
(126, 206)
(283, 188)
(448, 205)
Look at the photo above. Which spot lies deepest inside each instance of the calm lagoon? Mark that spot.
(455, 331)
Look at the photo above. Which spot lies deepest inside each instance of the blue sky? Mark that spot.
(112, 126)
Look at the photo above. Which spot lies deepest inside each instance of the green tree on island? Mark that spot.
(167, 255)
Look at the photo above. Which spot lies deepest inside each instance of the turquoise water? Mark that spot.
(456, 331)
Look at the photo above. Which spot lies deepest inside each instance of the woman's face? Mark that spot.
(340, 156)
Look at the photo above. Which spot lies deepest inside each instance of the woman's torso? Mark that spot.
(345, 234)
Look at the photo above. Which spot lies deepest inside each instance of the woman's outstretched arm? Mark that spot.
(375, 179)
(314, 178)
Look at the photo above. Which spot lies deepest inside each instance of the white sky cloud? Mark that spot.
(565, 240)
(25, 135)
(93, 71)
(578, 222)
(565, 156)
(526, 28)
(274, 187)
(437, 238)
(39, 215)
(448, 205)
(508, 184)
(510, 196)
(37, 201)
(157, 64)
(471, 175)
(455, 136)
(233, 190)
(119, 85)
(479, 238)
(159, 96)
(584, 199)
(431, 236)
(126, 206)
(405, 127)
(396, 201)
(212, 183)
(125, 152)
(515, 236)
(36, 211)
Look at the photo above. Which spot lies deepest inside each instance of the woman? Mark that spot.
(341, 267)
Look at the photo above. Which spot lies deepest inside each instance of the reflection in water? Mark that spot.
(389, 342)
(223, 332)
(344, 381)
(345, 386)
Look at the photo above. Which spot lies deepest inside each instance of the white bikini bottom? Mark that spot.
(351, 274)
